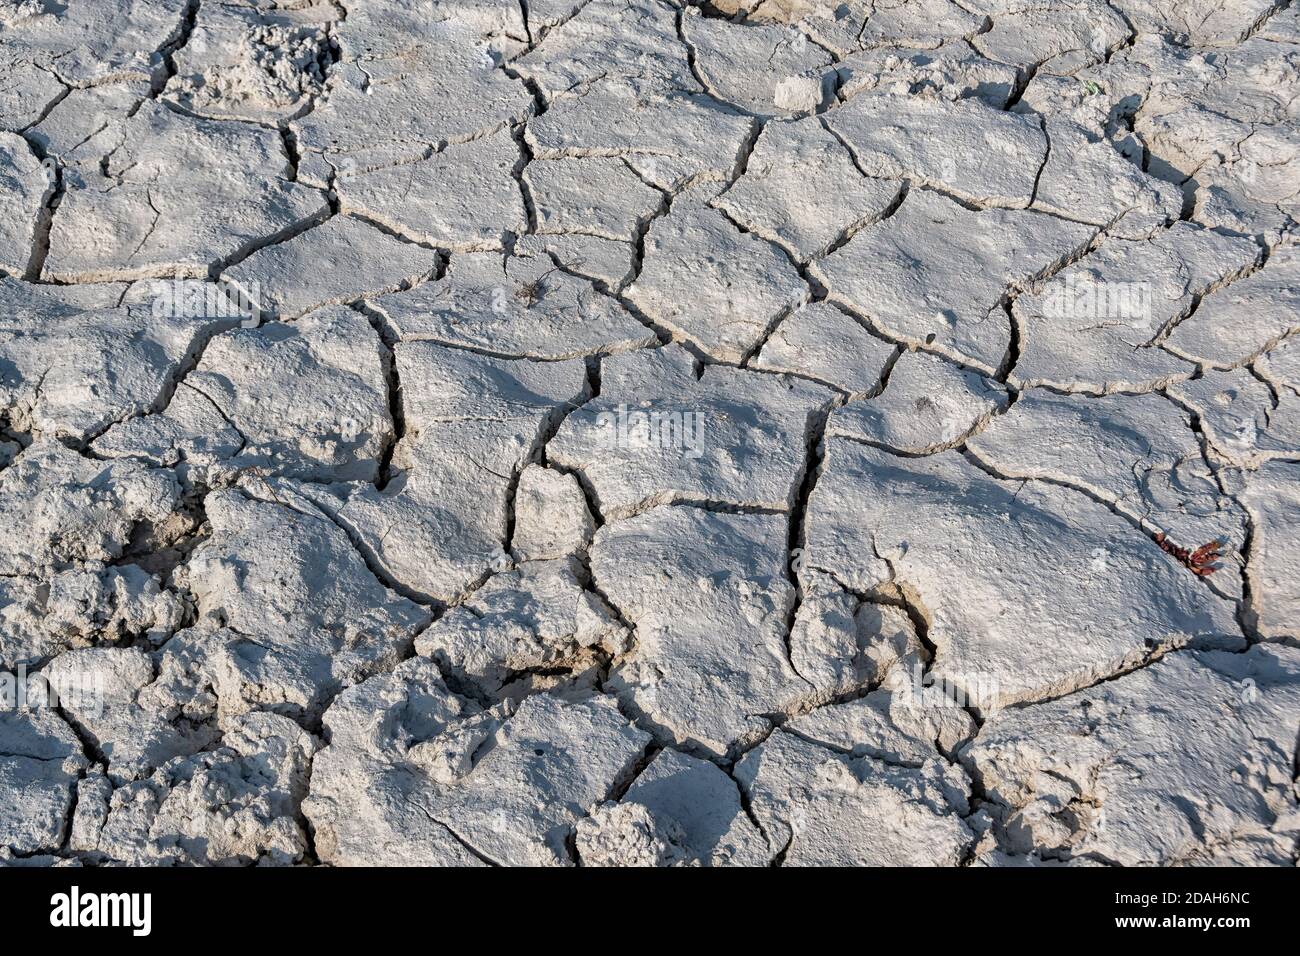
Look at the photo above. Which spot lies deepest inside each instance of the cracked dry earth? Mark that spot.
(774, 433)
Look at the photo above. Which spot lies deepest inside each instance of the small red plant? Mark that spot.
(1201, 561)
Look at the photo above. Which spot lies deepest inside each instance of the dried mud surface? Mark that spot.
(635, 433)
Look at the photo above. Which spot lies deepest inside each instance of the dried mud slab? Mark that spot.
(307, 400)
(260, 65)
(235, 804)
(176, 196)
(438, 526)
(439, 781)
(748, 449)
(712, 284)
(344, 260)
(286, 630)
(802, 191)
(1214, 786)
(1054, 592)
(38, 770)
(710, 629)
(964, 148)
(77, 359)
(936, 274)
(522, 306)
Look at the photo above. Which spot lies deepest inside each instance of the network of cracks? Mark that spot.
(625, 432)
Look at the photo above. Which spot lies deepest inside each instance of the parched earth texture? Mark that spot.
(619, 432)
